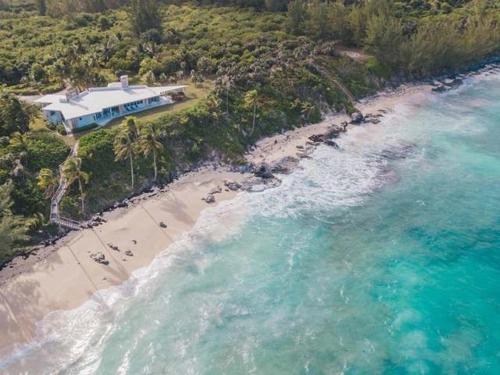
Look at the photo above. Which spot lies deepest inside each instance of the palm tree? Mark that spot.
(149, 144)
(226, 81)
(46, 181)
(250, 101)
(72, 171)
(12, 228)
(124, 144)
(19, 142)
(213, 105)
(130, 127)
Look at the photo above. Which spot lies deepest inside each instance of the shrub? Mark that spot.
(61, 129)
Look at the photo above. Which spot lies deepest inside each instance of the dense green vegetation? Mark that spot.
(274, 64)
(29, 162)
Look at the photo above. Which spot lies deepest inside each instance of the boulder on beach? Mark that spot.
(209, 198)
(232, 185)
(99, 257)
(113, 247)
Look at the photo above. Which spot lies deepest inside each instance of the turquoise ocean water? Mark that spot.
(380, 258)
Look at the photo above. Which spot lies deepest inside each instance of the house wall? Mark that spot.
(53, 116)
(83, 121)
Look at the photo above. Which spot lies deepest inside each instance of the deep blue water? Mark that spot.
(383, 257)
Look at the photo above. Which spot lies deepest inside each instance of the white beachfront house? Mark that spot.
(100, 105)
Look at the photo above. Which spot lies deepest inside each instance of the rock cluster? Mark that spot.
(99, 257)
(113, 247)
(446, 84)
(284, 165)
(263, 171)
(356, 118)
(210, 197)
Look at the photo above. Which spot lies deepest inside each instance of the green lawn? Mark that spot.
(193, 95)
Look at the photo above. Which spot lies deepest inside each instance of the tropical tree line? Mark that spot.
(132, 140)
(29, 161)
(404, 44)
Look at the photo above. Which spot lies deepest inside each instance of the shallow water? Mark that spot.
(383, 257)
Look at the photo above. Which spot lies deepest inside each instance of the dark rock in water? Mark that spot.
(457, 82)
(336, 130)
(374, 119)
(259, 184)
(284, 165)
(453, 82)
(389, 176)
(447, 84)
(331, 143)
(356, 118)
(99, 258)
(317, 137)
(441, 88)
(129, 253)
(398, 152)
(162, 224)
(264, 171)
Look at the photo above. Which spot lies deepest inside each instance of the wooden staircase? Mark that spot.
(59, 194)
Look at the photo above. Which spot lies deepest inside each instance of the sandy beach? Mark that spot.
(64, 276)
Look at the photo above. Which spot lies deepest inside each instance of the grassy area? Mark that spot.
(193, 96)
(38, 124)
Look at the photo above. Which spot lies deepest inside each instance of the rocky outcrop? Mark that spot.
(332, 143)
(257, 184)
(356, 118)
(284, 165)
(263, 171)
(447, 84)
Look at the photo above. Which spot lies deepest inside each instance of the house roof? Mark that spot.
(94, 100)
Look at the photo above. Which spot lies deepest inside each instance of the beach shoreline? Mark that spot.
(64, 276)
